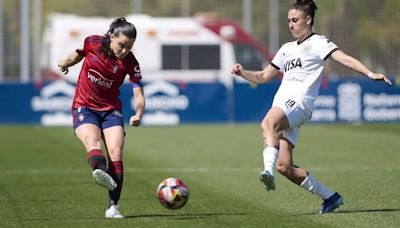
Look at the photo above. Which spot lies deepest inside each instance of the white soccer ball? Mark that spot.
(172, 193)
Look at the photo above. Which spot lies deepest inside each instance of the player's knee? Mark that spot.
(267, 125)
(91, 142)
(284, 169)
(115, 153)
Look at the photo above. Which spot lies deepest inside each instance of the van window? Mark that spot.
(249, 57)
(191, 57)
(172, 57)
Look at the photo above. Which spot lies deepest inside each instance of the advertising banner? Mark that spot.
(169, 103)
(173, 103)
(338, 101)
(357, 101)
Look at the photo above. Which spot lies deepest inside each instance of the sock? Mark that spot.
(312, 185)
(270, 155)
(96, 159)
(116, 171)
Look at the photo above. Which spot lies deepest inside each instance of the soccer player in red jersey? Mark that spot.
(96, 108)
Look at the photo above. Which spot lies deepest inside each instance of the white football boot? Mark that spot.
(113, 212)
(102, 178)
(268, 180)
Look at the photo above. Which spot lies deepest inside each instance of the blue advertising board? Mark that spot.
(338, 101)
(175, 103)
(357, 101)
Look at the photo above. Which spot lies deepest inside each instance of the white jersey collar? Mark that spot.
(298, 41)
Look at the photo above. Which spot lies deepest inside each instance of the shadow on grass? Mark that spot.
(355, 211)
(169, 216)
(184, 216)
(369, 210)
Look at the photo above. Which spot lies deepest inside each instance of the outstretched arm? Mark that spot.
(72, 59)
(354, 64)
(257, 77)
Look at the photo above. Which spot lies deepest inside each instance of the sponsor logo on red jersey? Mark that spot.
(137, 72)
(99, 80)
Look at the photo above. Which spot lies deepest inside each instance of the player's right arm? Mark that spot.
(354, 64)
(72, 59)
(257, 77)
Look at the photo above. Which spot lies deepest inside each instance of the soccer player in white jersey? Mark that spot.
(301, 62)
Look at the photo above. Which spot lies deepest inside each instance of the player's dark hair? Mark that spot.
(307, 6)
(117, 27)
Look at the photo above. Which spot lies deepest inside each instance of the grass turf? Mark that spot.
(46, 182)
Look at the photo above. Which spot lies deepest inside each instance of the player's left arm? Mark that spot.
(72, 59)
(139, 106)
(354, 64)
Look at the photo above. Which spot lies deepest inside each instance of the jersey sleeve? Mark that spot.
(135, 76)
(83, 51)
(279, 59)
(326, 48)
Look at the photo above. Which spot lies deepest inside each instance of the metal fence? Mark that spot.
(366, 29)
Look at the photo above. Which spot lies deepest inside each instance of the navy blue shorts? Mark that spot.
(103, 119)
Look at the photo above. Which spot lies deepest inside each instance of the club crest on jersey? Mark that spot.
(115, 70)
(293, 63)
(81, 117)
(117, 113)
(306, 49)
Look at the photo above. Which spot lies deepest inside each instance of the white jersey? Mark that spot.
(302, 65)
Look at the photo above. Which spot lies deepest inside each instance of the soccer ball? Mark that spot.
(172, 193)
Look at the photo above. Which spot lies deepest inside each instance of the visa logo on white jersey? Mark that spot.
(293, 63)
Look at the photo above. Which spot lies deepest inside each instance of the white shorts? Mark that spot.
(297, 115)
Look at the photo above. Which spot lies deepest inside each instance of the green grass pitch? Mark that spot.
(45, 180)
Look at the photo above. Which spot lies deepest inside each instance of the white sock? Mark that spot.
(312, 185)
(270, 155)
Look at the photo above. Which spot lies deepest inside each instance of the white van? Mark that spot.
(172, 49)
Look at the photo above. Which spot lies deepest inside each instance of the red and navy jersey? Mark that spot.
(101, 76)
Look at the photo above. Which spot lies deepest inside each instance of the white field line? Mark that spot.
(190, 170)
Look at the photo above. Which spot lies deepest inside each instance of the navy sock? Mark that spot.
(116, 171)
(96, 159)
